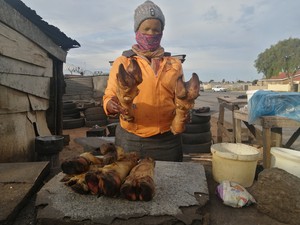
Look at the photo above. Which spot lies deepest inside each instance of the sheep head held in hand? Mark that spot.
(185, 95)
(127, 90)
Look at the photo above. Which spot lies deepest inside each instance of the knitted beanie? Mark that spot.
(148, 10)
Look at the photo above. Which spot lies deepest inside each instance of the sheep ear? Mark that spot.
(193, 86)
(125, 79)
(180, 90)
(135, 70)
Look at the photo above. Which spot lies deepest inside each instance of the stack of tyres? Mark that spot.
(83, 105)
(95, 116)
(71, 116)
(197, 136)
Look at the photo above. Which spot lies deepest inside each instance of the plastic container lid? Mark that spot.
(49, 138)
(235, 151)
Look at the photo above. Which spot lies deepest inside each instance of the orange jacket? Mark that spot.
(154, 106)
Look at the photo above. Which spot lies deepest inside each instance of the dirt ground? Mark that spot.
(215, 210)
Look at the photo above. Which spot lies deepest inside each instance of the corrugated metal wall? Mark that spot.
(85, 88)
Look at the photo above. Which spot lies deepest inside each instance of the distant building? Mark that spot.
(281, 82)
(281, 78)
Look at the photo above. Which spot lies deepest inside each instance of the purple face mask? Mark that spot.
(148, 41)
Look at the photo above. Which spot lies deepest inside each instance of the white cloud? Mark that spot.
(221, 38)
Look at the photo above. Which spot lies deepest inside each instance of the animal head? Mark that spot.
(130, 77)
(188, 90)
(193, 87)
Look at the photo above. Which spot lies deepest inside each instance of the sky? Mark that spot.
(221, 39)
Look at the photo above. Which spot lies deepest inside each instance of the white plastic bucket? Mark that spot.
(234, 162)
(286, 159)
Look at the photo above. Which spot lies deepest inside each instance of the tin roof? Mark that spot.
(57, 36)
(283, 76)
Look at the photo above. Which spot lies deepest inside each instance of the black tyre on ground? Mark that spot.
(196, 138)
(70, 111)
(197, 127)
(71, 116)
(199, 119)
(73, 123)
(197, 135)
(94, 111)
(100, 123)
(69, 105)
(95, 116)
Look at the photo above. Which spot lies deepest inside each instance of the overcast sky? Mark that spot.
(221, 38)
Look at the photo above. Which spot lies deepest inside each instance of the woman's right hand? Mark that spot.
(113, 106)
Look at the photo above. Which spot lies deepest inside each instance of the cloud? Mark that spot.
(221, 39)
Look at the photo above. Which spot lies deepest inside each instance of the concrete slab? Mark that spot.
(181, 189)
(92, 143)
(18, 181)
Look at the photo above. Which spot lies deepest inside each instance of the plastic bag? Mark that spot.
(234, 195)
(270, 103)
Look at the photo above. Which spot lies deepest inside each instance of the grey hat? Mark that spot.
(148, 10)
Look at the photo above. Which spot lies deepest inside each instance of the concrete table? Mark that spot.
(93, 143)
(18, 182)
(181, 190)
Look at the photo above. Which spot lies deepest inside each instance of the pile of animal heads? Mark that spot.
(114, 174)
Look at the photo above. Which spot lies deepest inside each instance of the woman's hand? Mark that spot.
(113, 106)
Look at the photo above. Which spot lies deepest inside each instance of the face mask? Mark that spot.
(148, 41)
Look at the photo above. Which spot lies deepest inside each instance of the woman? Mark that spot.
(153, 108)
